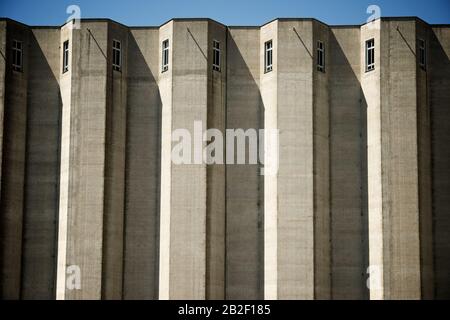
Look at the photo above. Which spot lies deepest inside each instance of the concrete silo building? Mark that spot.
(88, 188)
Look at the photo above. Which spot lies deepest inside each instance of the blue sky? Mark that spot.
(230, 12)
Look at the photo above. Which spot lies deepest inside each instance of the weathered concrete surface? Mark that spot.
(65, 82)
(269, 92)
(297, 251)
(87, 167)
(91, 149)
(439, 97)
(42, 166)
(398, 161)
(2, 88)
(142, 166)
(215, 173)
(192, 269)
(424, 170)
(95, 169)
(245, 184)
(13, 166)
(348, 175)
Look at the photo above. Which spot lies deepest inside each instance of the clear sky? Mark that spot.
(230, 12)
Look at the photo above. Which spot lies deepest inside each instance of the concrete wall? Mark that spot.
(269, 96)
(87, 178)
(399, 166)
(245, 184)
(424, 167)
(88, 119)
(65, 189)
(2, 86)
(399, 150)
(215, 173)
(13, 164)
(348, 175)
(41, 193)
(439, 97)
(142, 166)
(195, 252)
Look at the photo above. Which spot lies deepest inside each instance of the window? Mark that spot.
(216, 55)
(17, 51)
(117, 56)
(268, 56)
(165, 55)
(65, 56)
(422, 54)
(320, 56)
(370, 55)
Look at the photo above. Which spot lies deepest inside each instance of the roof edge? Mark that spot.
(394, 18)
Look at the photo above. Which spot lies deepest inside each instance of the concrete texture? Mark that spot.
(358, 207)
(13, 165)
(348, 172)
(142, 192)
(42, 166)
(245, 185)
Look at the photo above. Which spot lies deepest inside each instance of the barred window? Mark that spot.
(216, 55)
(17, 58)
(117, 55)
(268, 56)
(422, 53)
(65, 56)
(370, 55)
(320, 56)
(165, 55)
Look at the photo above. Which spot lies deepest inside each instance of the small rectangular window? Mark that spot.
(117, 55)
(268, 56)
(370, 55)
(320, 56)
(216, 55)
(165, 55)
(422, 53)
(17, 59)
(65, 56)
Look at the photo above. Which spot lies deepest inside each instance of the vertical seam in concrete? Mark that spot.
(166, 168)
(314, 157)
(105, 166)
(25, 183)
(225, 106)
(57, 191)
(418, 161)
(67, 152)
(209, 103)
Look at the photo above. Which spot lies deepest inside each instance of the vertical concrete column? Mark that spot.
(116, 120)
(297, 252)
(143, 157)
(215, 172)
(269, 97)
(424, 155)
(370, 83)
(13, 160)
(84, 223)
(397, 134)
(165, 88)
(42, 166)
(3, 29)
(439, 97)
(348, 176)
(65, 82)
(321, 168)
(245, 184)
(187, 238)
(92, 164)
